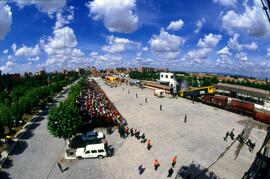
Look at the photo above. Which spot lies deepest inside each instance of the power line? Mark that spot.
(266, 9)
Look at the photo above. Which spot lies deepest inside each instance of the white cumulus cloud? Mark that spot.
(118, 45)
(27, 51)
(224, 51)
(209, 41)
(5, 19)
(165, 42)
(199, 25)
(253, 20)
(117, 15)
(251, 46)
(48, 6)
(176, 25)
(227, 3)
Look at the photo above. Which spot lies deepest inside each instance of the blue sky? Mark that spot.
(227, 36)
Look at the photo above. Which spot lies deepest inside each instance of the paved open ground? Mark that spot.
(198, 142)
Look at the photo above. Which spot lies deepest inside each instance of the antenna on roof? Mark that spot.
(266, 8)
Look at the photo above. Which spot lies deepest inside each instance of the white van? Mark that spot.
(92, 135)
(91, 151)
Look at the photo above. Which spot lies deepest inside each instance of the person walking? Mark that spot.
(160, 107)
(170, 172)
(141, 169)
(156, 164)
(145, 100)
(128, 91)
(174, 160)
(149, 144)
(126, 131)
(123, 88)
(136, 95)
(185, 119)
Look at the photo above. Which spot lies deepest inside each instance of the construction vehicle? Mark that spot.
(197, 92)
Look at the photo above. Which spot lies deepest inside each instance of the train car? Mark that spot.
(262, 117)
(196, 92)
(241, 107)
(218, 101)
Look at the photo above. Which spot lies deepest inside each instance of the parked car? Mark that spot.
(92, 135)
(91, 151)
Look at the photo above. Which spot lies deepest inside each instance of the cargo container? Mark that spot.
(218, 101)
(242, 106)
(262, 117)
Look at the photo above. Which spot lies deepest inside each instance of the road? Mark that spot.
(36, 152)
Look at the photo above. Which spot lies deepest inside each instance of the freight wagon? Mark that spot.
(238, 106)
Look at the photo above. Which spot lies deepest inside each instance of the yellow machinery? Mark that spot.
(196, 92)
(111, 78)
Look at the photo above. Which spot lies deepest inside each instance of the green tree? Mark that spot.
(5, 117)
(64, 121)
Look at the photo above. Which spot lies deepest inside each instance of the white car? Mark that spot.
(92, 135)
(91, 151)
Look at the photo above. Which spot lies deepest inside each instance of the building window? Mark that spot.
(161, 76)
(172, 77)
(166, 76)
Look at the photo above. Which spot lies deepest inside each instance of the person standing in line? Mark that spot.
(149, 144)
(156, 164)
(131, 132)
(106, 144)
(185, 120)
(160, 107)
(145, 100)
(143, 138)
(174, 160)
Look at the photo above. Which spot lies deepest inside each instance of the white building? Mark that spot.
(169, 79)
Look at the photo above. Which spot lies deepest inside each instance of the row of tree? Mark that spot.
(264, 86)
(65, 120)
(23, 98)
(144, 75)
(12, 88)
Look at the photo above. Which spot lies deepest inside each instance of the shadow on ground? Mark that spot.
(195, 171)
(32, 126)
(19, 147)
(38, 119)
(27, 135)
(7, 164)
(4, 175)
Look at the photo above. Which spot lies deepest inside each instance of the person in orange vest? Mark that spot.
(149, 144)
(156, 164)
(174, 160)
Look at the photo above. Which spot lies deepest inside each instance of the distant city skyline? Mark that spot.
(217, 36)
